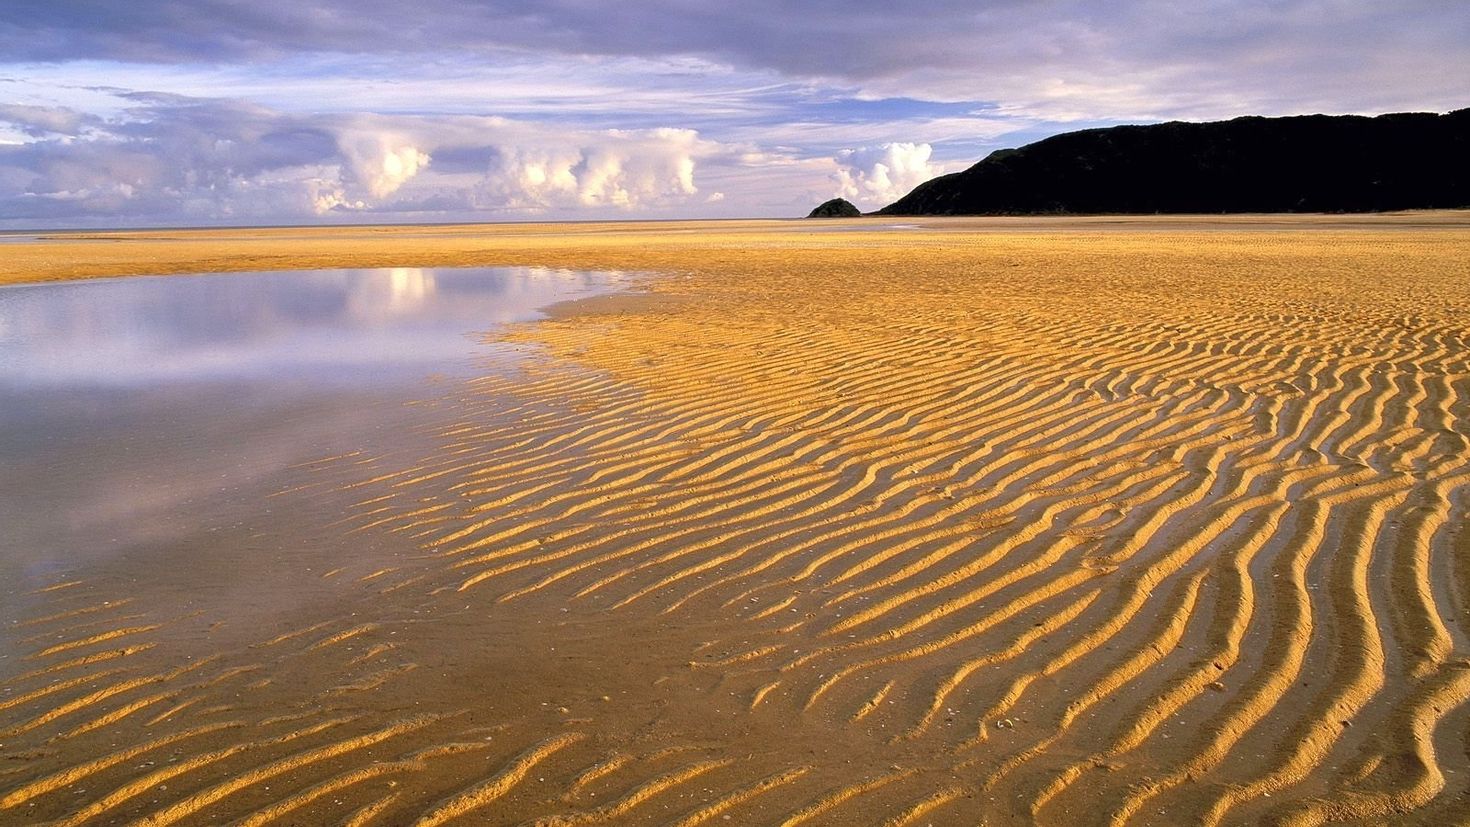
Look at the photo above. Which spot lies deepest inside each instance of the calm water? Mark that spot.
(145, 422)
(342, 327)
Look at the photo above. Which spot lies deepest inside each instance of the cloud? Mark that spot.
(1132, 58)
(40, 121)
(175, 158)
(621, 168)
(379, 162)
(187, 159)
(555, 108)
(881, 174)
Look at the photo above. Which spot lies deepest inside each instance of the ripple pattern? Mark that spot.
(1101, 528)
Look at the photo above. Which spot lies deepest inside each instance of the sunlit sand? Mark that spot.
(1153, 520)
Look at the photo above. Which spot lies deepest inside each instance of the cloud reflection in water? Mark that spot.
(148, 419)
(326, 325)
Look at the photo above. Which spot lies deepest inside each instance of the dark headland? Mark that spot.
(836, 208)
(1313, 163)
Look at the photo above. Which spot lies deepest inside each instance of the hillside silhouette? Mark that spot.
(836, 208)
(1312, 163)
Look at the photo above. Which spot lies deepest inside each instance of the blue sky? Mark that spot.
(166, 112)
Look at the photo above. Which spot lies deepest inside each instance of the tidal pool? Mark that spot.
(146, 423)
(339, 327)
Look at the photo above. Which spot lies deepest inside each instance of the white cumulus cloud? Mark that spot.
(620, 169)
(174, 159)
(380, 162)
(880, 174)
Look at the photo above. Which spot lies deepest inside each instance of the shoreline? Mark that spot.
(622, 245)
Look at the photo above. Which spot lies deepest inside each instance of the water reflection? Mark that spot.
(144, 421)
(327, 325)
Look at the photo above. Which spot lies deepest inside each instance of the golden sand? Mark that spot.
(1002, 521)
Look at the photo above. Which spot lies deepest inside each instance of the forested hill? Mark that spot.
(1313, 163)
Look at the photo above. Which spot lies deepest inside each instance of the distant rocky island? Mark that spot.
(836, 208)
(1313, 163)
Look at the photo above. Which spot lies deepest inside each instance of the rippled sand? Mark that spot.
(1093, 521)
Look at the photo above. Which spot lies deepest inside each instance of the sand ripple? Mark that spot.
(1093, 528)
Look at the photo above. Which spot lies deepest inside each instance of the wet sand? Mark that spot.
(1008, 521)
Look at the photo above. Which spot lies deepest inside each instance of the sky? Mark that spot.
(208, 112)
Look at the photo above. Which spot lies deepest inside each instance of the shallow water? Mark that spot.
(865, 228)
(146, 421)
(341, 327)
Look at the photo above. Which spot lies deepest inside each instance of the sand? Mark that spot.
(1000, 521)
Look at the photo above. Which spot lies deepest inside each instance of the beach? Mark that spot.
(1094, 520)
